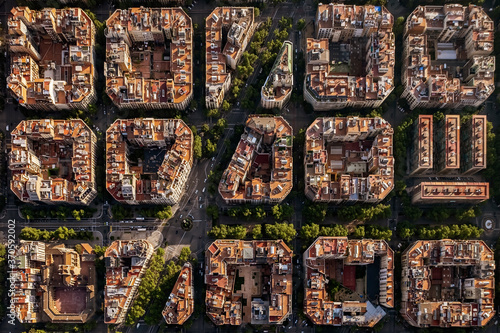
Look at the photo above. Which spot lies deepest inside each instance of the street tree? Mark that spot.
(301, 24)
(185, 254)
(197, 147)
(309, 231)
(284, 231)
(315, 212)
(257, 231)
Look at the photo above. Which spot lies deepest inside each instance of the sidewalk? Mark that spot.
(98, 239)
(155, 237)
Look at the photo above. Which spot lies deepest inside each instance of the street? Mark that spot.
(196, 197)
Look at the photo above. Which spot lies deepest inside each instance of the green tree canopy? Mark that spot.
(315, 212)
(282, 212)
(197, 147)
(257, 231)
(405, 229)
(224, 231)
(165, 213)
(213, 211)
(301, 24)
(309, 231)
(284, 231)
(210, 148)
(185, 254)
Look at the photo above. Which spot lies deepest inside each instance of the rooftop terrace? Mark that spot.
(126, 262)
(349, 159)
(337, 258)
(261, 167)
(53, 161)
(148, 160)
(52, 65)
(448, 283)
(265, 264)
(149, 58)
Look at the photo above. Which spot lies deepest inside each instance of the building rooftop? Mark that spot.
(53, 161)
(336, 258)
(149, 57)
(126, 262)
(425, 153)
(53, 69)
(452, 141)
(279, 82)
(234, 27)
(180, 304)
(262, 165)
(454, 191)
(351, 63)
(268, 263)
(48, 280)
(331, 16)
(148, 160)
(349, 159)
(478, 137)
(448, 283)
(459, 147)
(461, 72)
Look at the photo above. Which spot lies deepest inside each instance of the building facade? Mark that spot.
(148, 160)
(446, 62)
(149, 58)
(337, 258)
(456, 147)
(422, 150)
(261, 168)
(351, 61)
(126, 262)
(474, 138)
(448, 283)
(180, 304)
(53, 161)
(48, 278)
(455, 192)
(52, 58)
(348, 159)
(223, 52)
(447, 145)
(267, 266)
(277, 89)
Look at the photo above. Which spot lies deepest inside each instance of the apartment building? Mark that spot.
(337, 258)
(261, 168)
(52, 58)
(458, 146)
(450, 192)
(446, 57)
(248, 282)
(53, 283)
(277, 89)
(223, 52)
(447, 148)
(149, 58)
(422, 150)
(348, 159)
(180, 304)
(148, 161)
(53, 161)
(126, 262)
(351, 61)
(448, 283)
(474, 137)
